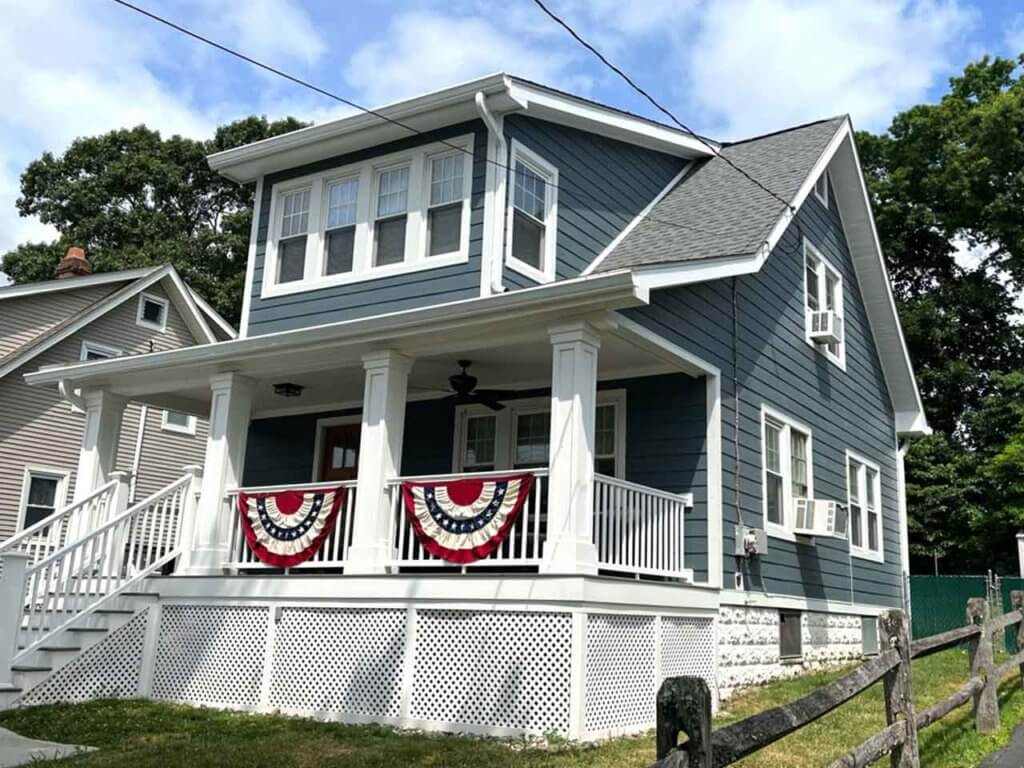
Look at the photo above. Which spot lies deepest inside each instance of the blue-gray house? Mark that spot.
(535, 403)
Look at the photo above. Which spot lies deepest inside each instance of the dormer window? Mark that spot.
(386, 216)
(532, 215)
(152, 312)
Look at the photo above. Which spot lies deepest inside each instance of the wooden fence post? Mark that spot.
(899, 690)
(684, 705)
(986, 702)
(1017, 601)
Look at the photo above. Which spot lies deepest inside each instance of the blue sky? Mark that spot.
(729, 68)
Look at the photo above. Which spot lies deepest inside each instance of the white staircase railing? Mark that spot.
(83, 575)
(51, 533)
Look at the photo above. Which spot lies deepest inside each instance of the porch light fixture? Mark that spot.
(287, 389)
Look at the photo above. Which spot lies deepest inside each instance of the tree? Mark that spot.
(132, 198)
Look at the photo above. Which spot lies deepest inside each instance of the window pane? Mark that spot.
(529, 192)
(42, 491)
(291, 259)
(393, 192)
(178, 419)
(856, 536)
(446, 179)
(480, 431)
(605, 466)
(773, 493)
(390, 241)
(798, 461)
(295, 213)
(871, 477)
(527, 239)
(831, 290)
(340, 247)
(341, 203)
(773, 460)
(790, 635)
(91, 353)
(872, 531)
(604, 430)
(34, 514)
(853, 481)
(811, 271)
(533, 430)
(445, 225)
(152, 312)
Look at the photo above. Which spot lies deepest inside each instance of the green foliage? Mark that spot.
(132, 198)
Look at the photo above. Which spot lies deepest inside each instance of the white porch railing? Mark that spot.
(51, 533)
(83, 575)
(639, 530)
(332, 554)
(522, 547)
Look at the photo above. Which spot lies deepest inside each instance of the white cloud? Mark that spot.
(421, 51)
(757, 65)
(1015, 35)
(278, 31)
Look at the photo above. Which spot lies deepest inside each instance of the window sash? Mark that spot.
(865, 514)
(294, 213)
(393, 192)
(787, 465)
(479, 451)
(342, 203)
(446, 179)
(530, 192)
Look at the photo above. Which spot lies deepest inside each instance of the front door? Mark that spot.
(340, 456)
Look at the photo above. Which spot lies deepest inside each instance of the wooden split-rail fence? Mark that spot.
(684, 703)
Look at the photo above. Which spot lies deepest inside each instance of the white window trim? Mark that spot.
(139, 320)
(542, 167)
(784, 531)
(60, 498)
(318, 443)
(864, 552)
(505, 431)
(167, 426)
(368, 173)
(810, 252)
(822, 194)
(103, 349)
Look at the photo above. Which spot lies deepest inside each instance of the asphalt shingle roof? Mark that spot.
(714, 211)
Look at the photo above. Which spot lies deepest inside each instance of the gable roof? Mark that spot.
(133, 282)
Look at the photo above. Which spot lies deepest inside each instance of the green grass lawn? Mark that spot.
(143, 734)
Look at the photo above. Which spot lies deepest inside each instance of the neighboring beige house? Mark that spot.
(82, 316)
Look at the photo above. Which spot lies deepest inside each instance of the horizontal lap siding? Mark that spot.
(23, 319)
(381, 295)
(603, 185)
(776, 367)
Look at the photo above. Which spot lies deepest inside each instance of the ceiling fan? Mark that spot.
(464, 386)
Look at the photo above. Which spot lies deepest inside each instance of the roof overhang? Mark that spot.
(449, 327)
(504, 94)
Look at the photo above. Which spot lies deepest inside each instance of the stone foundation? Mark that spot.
(748, 645)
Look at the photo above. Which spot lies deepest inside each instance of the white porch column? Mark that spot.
(569, 547)
(230, 409)
(380, 458)
(96, 459)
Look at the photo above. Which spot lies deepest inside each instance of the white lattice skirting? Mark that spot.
(581, 674)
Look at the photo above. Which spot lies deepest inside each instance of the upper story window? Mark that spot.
(823, 306)
(176, 421)
(152, 312)
(532, 215)
(92, 350)
(864, 494)
(821, 188)
(787, 468)
(390, 215)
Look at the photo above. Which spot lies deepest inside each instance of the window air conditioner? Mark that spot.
(821, 517)
(826, 327)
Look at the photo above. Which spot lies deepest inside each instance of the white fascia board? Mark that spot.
(609, 289)
(579, 113)
(212, 315)
(699, 271)
(912, 424)
(181, 295)
(74, 283)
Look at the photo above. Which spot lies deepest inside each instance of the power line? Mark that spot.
(582, 197)
(664, 110)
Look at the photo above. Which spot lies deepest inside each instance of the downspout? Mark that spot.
(901, 505)
(137, 458)
(492, 257)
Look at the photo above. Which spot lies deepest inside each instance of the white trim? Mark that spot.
(638, 218)
(822, 194)
(902, 447)
(250, 267)
(863, 551)
(212, 314)
(522, 154)
(60, 496)
(812, 252)
(785, 530)
(168, 426)
(85, 281)
(368, 174)
(103, 349)
(152, 298)
(318, 442)
(755, 599)
(492, 251)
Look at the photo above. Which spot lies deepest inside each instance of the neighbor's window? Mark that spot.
(392, 216)
(291, 242)
(152, 311)
(340, 231)
(532, 220)
(444, 212)
(175, 421)
(787, 469)
(864, 495)
(42, 495)
(823, 290)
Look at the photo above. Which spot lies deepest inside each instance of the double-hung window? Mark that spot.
(340, 229)
(291, 242)
(445, 206)
(864, 499)
(532, 215)
(787, 470)
(43, 493)
(823, 290)
(392, 217)
(478, 452)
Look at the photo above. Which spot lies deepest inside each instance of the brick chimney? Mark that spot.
(74, 264)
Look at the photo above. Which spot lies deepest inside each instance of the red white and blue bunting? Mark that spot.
(286, 528)
(465, 520)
